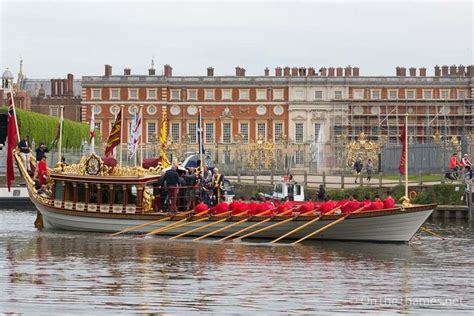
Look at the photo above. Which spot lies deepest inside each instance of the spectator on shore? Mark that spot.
(321, 193)
(357, 168)
(369, 167)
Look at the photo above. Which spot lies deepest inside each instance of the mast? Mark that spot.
(61, 119)
(406, 154)
(121, 135)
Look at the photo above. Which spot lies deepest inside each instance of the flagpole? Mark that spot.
(92, 132)
(201, 140)
(141, 134)
(60, 132)
(121, 134)
(14, 113)
(406, 155)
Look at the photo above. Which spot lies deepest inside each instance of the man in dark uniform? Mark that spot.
(171, 179)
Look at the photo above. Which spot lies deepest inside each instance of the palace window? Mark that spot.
(114, 94)
(299, 157)
(299, 94)
(244, 131)
(226, 133)
(299, 133)
(358, 94)
(192, 94)
(175, 94)
(427, 94)
(243, 94)
(410, 94)
(461, 94)
(226, 94)
(338, 95)
(209, 94)
(445, 94)
(192, 132)
(98, 126)
(151, 94)
(317, 130)
(175, 132)
(277, 94)
(375, 94)
(261, 94)
(150, 132)
(209, 133)
(261, 130)
(318, 95)
(392, 94)
(132, 94)
(96, 94)
(54, 111)
(278, 130)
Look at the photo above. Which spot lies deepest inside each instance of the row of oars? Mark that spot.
(226, 216)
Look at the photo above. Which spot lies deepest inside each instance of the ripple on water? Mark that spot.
(54, 271)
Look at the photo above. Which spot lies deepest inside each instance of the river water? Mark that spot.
(56, 272)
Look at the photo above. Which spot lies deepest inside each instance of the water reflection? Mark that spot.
(78, 272)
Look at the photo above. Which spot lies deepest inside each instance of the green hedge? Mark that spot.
(43, 128)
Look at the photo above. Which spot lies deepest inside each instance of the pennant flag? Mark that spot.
(404, 150)
(163, 136)
(58, 131)
(115, 135)
(135, 133)
(200, 135)
(92, 131)
(12, 138)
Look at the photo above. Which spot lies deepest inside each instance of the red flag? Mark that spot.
(404, 150)
(12, 136)
(114, 137)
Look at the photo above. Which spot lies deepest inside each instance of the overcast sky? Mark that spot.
(58, 37)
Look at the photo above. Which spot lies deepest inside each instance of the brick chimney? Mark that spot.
(444, 71)
(53, 87)
(278, 71)
(453, 70)
(127, 72)
(339, 71)
(64, 84)
(403, 71)
(470, 71)
(168, 70)
(437, 71)
(323, 71)
(422, 72)
(311, 72)
(461, 70)
(294, 71)
(286, 71)
(70, 85)
(348, 71)
(412, 72)
(210, 71)
(355, 72)
(151, 71)
(331, 72)
(242, 72)
(267, 72)
(302, 71)
(108, 71)
(397, 71)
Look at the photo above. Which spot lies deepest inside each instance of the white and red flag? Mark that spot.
(92, 131)
(135, 133)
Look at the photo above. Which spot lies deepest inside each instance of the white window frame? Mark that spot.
(358, 94)
(299, 94)
(209, 94)
(213, 136)
(261, 94)
(111, 91)
(274, 129)
(299, 157)
(335, 94)
(428, 91)
(148, 138)
(245, 141)
(441, 94)
(188, 94)
(458, 94)
(172, 125)
(230, 133)
(178, 91)
(243, 91)
(297, 134)
(410, 90)
(372, 91)
(53, 110)
(192, 135)
(93, 91)
(316, 97)
(257, 134)
(278, 94)
(148, 97)
(130, 93)
(392, 91)
(224, 92)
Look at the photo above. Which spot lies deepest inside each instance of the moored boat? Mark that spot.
(90, 196)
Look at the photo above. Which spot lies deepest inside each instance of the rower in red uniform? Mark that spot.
(389, 201)
(220, 208)
(265, 206)
(252, 206)
(351, 205)
(306, 207)
(283, 207)
(377, 204)
(366, 204)
(200, 207)
(327, 206)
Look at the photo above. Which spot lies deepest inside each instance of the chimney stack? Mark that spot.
(444, 71)
(339, 71)
(286, 71)
(470, 71)
(311, 72)
(168, 70)
(453, 71)
(53, 87)
(422, 72)
(294, 71)
(403, 71)
(331, 72)
(412, 72)
(348, 71)
(70, 85)
(278, 72)
(323, 71)
(108, 71)
(127, 72)
(437, 71)
(151, 71)
(267, 72)
(242, 72)
(210, 71)
(64, 84)
(355, 72)
(461, 70)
